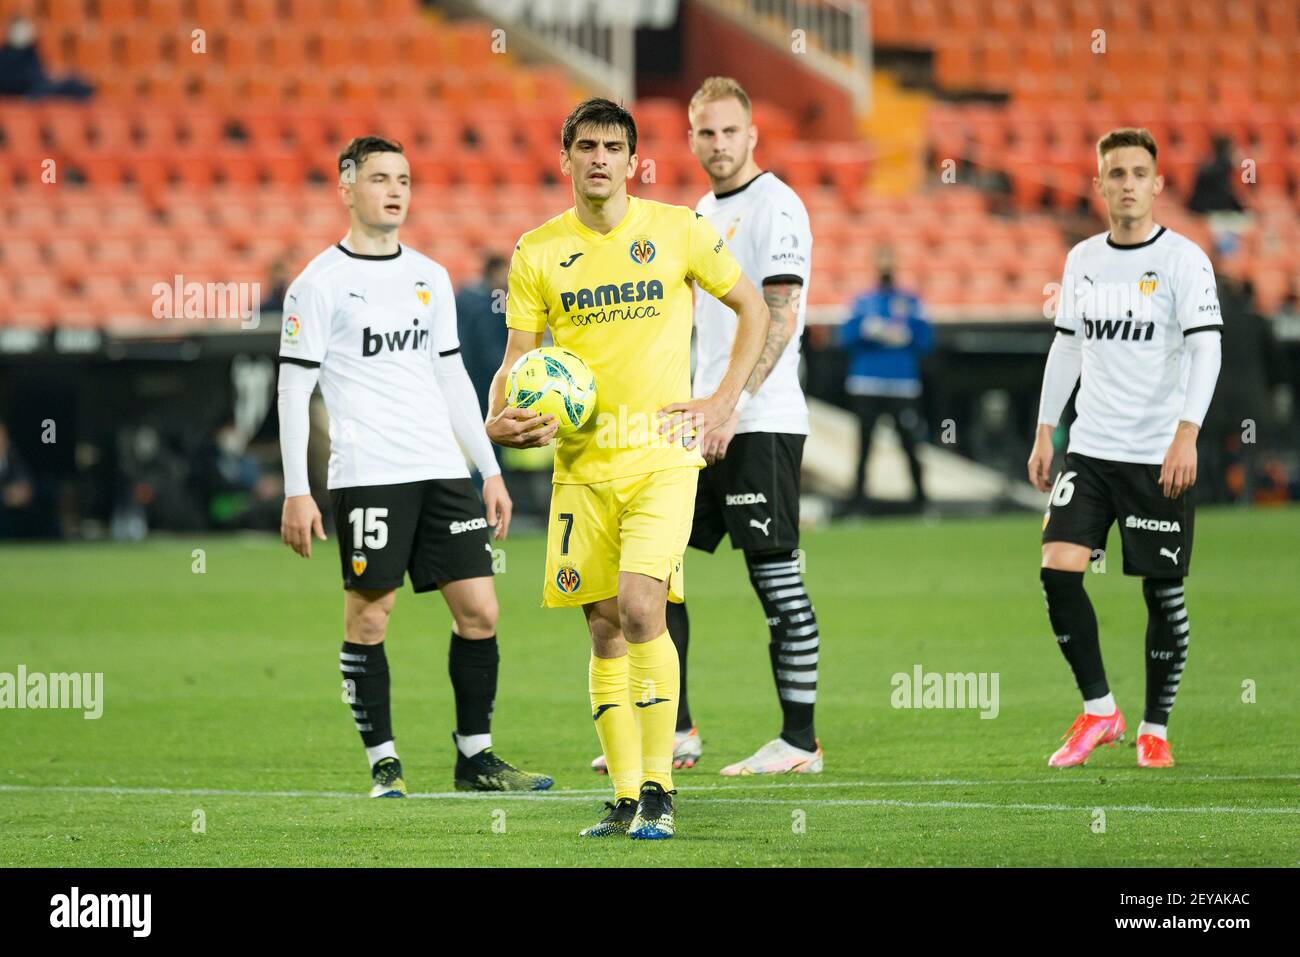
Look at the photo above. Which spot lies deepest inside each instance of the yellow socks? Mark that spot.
(653, 678)
(616, 725)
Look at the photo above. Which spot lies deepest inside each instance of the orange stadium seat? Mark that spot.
(260, 13)
(36, 288)
(21, 130)
(90, 48)
(286, 50)
(239, 48)
(65, 12)
(163, 15)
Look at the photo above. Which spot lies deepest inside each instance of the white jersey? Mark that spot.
(1133, 305)
(375, 325)
(765, 226)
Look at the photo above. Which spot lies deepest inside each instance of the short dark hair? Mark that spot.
(601, 113)
(1126, 136)
(362, 146)
(494, 261)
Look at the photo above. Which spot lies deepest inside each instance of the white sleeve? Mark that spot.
(295, 388)
(1069, 299)
(463, 409)
(1064, 362)
(1196, 295)
(785, 246)
(305, 331)
(1207, 355)
(446, 340)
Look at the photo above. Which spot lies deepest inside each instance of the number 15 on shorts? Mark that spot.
(369, 527)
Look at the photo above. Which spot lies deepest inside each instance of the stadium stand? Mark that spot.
(217, 167)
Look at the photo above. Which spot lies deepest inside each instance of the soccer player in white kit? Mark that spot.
(749, 490)
(1138, 327)
(375, 323)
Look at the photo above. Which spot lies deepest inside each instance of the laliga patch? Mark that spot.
(292, 326)
(359, 563)
(567, 579)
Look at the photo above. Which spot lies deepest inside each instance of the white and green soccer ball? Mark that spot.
(553, 381)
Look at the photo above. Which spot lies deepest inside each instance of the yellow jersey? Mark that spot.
(622, 301)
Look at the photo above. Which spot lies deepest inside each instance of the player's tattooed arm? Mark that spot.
(782, 300)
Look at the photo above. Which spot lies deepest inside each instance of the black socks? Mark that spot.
(473, 664)
(1075, 625)
(794, 643)
(679, 630)
(365, 676)
(1167, 636)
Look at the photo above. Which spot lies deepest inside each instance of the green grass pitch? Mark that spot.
(223, 706)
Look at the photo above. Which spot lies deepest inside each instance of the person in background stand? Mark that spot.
(481, 322)
(885, 337)
(16, 489)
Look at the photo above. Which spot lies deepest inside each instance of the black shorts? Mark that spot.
(1091, 493)
(752, 494)
(435, 530)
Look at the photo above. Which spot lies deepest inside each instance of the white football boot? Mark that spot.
(777, 757)
(686, 752)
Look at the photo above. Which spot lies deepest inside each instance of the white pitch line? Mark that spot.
(584, 797)
(751, 784)
(1122, 776)
(984, 806)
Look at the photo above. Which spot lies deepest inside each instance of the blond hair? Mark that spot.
(1126, 136)
(719, 88)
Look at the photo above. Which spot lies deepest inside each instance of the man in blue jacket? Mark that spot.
(885, 337)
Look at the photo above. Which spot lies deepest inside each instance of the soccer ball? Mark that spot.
(554, 381)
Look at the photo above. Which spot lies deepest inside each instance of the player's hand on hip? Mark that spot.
(497, 502)
(1178, 471)
(715, 444)
(1040, 463)
(298, 522)
(518, 428)
(691, 421)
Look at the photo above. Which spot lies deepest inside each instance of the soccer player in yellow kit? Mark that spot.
(611, 278)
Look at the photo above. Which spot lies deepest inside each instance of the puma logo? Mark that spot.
(762, 526)
(570, 261)
(357, 295)
(1172, 556)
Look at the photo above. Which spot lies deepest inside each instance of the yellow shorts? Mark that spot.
(640, 523)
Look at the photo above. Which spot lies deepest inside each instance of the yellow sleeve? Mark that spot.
(710, 262)
(525, 307)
